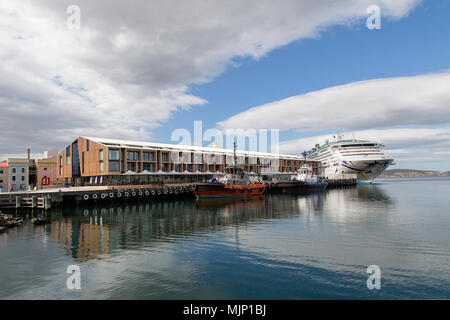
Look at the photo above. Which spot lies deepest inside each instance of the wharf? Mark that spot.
(272, 187)
(48, 198)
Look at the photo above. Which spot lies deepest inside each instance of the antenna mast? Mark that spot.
(235, 157)
(305, 154)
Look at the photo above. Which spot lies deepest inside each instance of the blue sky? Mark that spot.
(415, 45)
(141, 71)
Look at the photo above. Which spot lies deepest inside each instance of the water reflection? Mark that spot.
(102, 230)
(373, 193)
(277, 246)
(90, 232)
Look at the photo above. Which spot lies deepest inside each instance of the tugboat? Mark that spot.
(312, 182)
(236, 183)
(304, 180)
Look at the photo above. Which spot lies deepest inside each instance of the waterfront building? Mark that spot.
(18, 174)
(18, 171)
(46, 170)
(4, 176)
(93, 161)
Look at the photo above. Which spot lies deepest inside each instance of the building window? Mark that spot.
(186, 157)
(148, 166)
(68, 155)
(60, 166)
(1, 171)
(82, 162)
(23, 170)
(132, 156)
(87, 145)
(114, 166)
(101, 160)
(148, 156)
(198, 159)
(13, 178)
(165, 167)
(130, 166)
(113, 160)
(165, 157)
(114, 154)
(23, 178)
(45, 169)
(14, 170)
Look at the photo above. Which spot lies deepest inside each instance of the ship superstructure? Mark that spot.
(341, 156)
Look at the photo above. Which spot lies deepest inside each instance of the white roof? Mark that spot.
(171, 147)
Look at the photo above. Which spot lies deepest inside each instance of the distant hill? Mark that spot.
(409, 173)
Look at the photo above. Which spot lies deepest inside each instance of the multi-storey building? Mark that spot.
(46, 170)
(4, 176)
(107, 161)
(18, 171)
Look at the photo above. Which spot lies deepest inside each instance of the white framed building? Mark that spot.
(18, 174)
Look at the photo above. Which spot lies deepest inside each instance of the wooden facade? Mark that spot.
(96, 157)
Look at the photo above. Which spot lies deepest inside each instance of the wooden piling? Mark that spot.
(47, 203)
(18, 201)
(33, 202)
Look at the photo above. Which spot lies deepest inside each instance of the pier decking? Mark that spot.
(48, 198)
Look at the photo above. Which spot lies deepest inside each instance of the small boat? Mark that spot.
(236, 183)
(304, 180)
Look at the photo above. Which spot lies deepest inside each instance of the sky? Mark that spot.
(141, 69)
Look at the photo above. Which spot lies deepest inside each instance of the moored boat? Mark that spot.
(304, 180)
(341, 157)
(236, 183)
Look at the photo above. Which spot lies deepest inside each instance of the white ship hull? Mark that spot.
(341, 158)
(366, 170)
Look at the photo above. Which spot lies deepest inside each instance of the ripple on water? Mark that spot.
(313, 246)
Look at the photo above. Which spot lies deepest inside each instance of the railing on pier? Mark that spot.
(19, 201)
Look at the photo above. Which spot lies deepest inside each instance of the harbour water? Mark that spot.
(309, 246)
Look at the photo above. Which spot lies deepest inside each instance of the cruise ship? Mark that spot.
(349, 157)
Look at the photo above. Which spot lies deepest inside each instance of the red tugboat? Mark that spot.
(235, 184)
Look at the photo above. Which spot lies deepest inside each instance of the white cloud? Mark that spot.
(423, 99)
(129, 67)
(426, 148)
